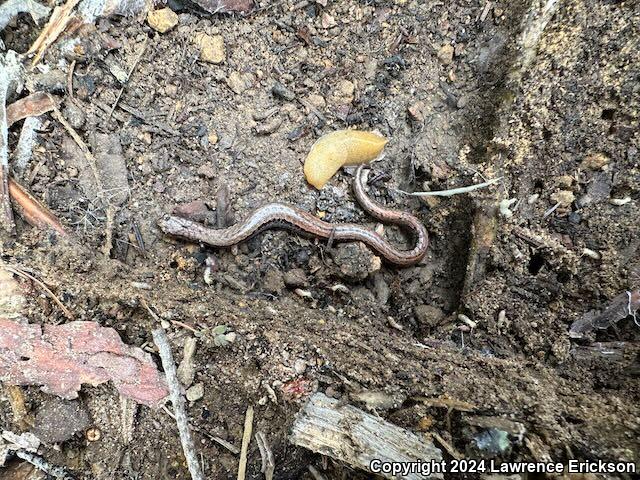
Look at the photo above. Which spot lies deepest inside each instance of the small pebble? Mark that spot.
(595, 161)
(295, 278)
(74, 115)
(273, 281)
(564, 197)
(195, 392)
(303, 293)
(445, 54)
(416, 111)
(162, 20)
(239, 82)
(269, 127)
(300, 366)
(356, 261)
(212, 49)
(429, 315)
(338, 287)
(280, 91)
(345, 91)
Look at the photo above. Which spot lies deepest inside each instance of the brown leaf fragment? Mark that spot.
(34, 212)
(60, 358)
(225, 6)
(31, 106)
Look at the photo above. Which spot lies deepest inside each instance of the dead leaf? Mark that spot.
(61, 358)
(31, 106)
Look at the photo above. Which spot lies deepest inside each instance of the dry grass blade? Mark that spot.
(246, 438)
(453, 191)
(21, 273)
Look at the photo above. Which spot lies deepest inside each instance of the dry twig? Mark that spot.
(268, 462)
(246, 438)
(133, 67)
(179, 409)
(220, 441)
(41, 464)
(57, 23)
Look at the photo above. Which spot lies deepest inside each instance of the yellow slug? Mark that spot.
(335, 149)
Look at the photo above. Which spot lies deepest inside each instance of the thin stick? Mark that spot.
(83, 146)
(23, 274)
(135, 64)
(179, 410)
(448, 447)
(268, 463)
(453, 191)
(108, 231)
(41, 464)
(8, 221)
(58, 22)
(70, 79)
(246, 438)
(220, 441)
(315, 473)
(157, 318)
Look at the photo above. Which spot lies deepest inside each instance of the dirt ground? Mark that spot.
(561, 131)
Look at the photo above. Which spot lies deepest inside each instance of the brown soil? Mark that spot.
(576, 105)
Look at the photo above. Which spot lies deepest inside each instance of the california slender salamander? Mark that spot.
(282, 216)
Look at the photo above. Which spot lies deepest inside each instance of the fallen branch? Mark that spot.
(177, 400)
(41, 464)
(348, 434)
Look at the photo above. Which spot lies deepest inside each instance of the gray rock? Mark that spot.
(428, 315)
(280, 91)
(273, 281)
(74, 115)
(295, 278)
(58, 420)
(355, 261)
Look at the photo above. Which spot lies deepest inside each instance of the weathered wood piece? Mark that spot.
(348, 434)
